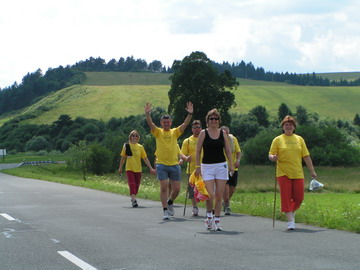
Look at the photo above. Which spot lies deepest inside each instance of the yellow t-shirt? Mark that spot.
(133, 163)
(167, 148)
(290, 151)
(234, 147)
(188, 148)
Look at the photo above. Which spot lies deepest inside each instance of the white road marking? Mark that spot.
(7, 216)
(75, 260)
(7, 233)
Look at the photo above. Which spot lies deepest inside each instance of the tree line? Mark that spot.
(35, 85)
(331, 143)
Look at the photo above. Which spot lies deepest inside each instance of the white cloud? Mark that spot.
(279, 35)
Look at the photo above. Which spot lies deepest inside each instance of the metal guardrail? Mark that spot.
(35, 163)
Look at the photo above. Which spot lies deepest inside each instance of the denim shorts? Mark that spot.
(165, 172)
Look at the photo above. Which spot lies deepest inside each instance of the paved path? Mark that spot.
(47, 225)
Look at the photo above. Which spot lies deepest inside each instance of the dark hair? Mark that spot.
(166, 116)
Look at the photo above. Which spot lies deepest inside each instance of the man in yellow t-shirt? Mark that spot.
(167, 156)
(232, 182)
(188, 149)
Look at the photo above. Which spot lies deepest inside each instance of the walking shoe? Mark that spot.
(291, 225)
(134, 203)
(227, 211)
(208, 223)
(217, 226)
(170, 207)
(166, 215)
(195, 211)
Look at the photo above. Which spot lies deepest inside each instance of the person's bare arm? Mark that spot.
(310, 166)
(190, 110)
(148, 109)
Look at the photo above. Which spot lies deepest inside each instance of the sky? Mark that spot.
(298, 36)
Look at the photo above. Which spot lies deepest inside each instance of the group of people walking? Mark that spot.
(214, 154)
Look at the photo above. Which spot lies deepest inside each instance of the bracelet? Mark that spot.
(197, 166)
(190, 114)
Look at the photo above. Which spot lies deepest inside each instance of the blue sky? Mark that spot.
(279, 35)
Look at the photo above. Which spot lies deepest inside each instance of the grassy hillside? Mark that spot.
(349, 76)
(126, 78)
(110, 94)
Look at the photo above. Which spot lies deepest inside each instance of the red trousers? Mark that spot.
(291, 193)
(134, 179)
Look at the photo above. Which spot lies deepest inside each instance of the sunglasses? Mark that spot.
(213, 118)
(196, 127)
(134, 135)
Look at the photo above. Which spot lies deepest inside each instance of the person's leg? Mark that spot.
(131, 183)
(226, 196)
(175, 189)
(298, 193)
(137, 182)
(164, 192)
(209, 185)
(219, 192)
(287, 204)
(162, 176)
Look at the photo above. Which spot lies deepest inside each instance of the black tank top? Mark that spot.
(213, 149)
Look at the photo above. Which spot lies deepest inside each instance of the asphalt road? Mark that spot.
(47, 225)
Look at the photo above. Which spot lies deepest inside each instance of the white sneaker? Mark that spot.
(166, 215)
(217, 226)
(208, 223)
(291, 225)
(170, 207)
(195, 211)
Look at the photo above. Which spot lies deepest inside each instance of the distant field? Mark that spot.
(349, 76)
(126, 78)
(121, 98)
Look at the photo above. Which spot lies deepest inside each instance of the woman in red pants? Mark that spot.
(288, 150)
(132, 153)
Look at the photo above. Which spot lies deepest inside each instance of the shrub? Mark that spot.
(99, 160)
(37, 143)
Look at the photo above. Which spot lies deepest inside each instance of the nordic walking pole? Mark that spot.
(186, 196)
(274, 196)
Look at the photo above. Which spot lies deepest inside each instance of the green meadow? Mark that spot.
(337, 206)
(119, 94)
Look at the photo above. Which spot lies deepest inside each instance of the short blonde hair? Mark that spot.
(213, 112)
(134, 132)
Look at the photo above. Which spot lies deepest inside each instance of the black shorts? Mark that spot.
(233, 179)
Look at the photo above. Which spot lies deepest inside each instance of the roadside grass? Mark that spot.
(18, 158)
(328, 208)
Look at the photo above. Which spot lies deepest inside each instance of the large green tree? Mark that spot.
(195, 79)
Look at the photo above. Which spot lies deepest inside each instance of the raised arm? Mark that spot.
(148, 109)
(190, 110)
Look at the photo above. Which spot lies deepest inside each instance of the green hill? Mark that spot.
(111, 94)
(337, 76)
